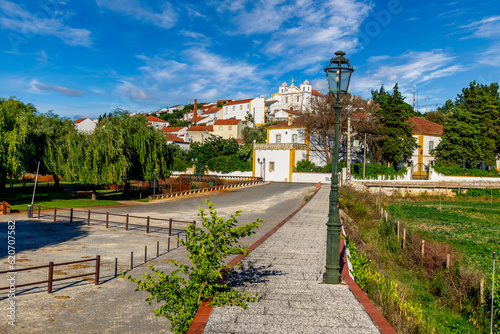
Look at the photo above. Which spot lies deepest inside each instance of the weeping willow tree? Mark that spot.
(122, 148)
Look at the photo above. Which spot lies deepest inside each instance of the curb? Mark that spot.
(201, 317)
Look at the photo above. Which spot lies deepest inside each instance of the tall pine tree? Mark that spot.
(472, 131)
(397, 144)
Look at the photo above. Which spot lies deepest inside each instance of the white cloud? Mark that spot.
(307, 31)
(132, 92)
(36, 87)
(164, 17)
(491, 57)
(14, 17)
(485, 28)
(407, 69)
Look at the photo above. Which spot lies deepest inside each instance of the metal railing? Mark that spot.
(51, 278)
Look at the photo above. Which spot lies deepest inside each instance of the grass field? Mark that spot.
(469, 228)
(20, 197)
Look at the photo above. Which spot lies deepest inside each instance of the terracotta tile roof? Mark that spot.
(172, 128)
(155, 119)
(285, 125)
(211, 111)
(238, 102)
(79, 120)
(293, 112)
(174, 138)
(240, 141)
(227, 122)
(208, 128)
(424, 126)
(316, 93)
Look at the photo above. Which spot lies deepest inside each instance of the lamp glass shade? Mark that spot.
(339, 74)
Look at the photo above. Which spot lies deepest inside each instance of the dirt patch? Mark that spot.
(79, 266)
(90, 279)
(62, 297)
(60, 272)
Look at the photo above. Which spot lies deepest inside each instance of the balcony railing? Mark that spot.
(275, 146)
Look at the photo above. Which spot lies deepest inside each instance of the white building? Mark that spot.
(85, 125)
(291, 97)
(179, 131)
(249, 109)
(212, 115)
(157, 122)
(428, 135)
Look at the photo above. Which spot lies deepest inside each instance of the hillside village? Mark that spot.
(288, 139)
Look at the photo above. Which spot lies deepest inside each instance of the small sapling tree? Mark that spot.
(182, 292)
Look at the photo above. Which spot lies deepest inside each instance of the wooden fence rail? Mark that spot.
(51, 279)
(104, 217)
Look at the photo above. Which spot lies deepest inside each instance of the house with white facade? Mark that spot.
(249, 109)
(85, 125)
(173, 139)
(179, 131)
(157, 122)
(200, 133)
(428, 135)
(212, 114)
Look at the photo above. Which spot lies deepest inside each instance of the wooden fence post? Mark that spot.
(55, 214)
(398, 231)
(71, 215)
(404, 237)
(107, 219)
(170, 227)
(51, 275)
(97, 269)
(126, 223)
(481, 291)
(88, 219)
(147, 225)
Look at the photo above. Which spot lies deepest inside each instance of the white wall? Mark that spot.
(86, 126)
(311, 177)
(281, 159)
(257, 110)
(435, 176)
(287, 134)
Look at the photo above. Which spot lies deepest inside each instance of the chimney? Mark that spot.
(195, 109)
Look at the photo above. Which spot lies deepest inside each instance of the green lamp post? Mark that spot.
(339, 74)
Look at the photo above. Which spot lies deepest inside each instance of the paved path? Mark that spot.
(287, 271)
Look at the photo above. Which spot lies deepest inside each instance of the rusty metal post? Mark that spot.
(51, 275)
(97, 269)
(71, 216)
(88, 219)
(131, 260)
(145, 254)
(170, 227)
(168, 249)
(157, 249)
(126, 223)
(147, 225)
(107, 219)
(116, 266)
(55, 214)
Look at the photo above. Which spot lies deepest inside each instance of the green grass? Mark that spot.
(471, 227)
(19, 198)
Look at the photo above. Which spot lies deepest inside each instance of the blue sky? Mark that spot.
(85, 58)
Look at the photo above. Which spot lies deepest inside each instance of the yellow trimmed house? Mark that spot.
(287, 143)
(228, 128)
(428, 135)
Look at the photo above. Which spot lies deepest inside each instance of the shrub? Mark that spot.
(183, 291)
(459, 171)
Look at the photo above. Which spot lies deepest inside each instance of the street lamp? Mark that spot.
(339, 74)
(262, 168)
(154, 181)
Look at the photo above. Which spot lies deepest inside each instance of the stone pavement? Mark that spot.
(286, 270)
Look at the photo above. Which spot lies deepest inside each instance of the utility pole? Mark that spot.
(348, 157)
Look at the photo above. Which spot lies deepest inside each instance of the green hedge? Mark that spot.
(228, 164)
(459, 171)
(372, 171)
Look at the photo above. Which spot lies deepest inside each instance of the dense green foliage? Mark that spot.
(182, 292)
(397, 144)
(372, 171)
(16, 122)
(459, 171)
(472, 133)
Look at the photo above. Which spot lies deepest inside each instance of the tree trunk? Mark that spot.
(325, 145)
(56, 181)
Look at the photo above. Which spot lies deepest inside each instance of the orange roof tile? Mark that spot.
(293, 112)
(222, 101)
(285, 125)
(79, 120)
(172, 128)
(208, 128)
(227, 121)
(238, 102)
(197, 119)
(316, 93)
(424, 126)
(155, 119)
(174, 138)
